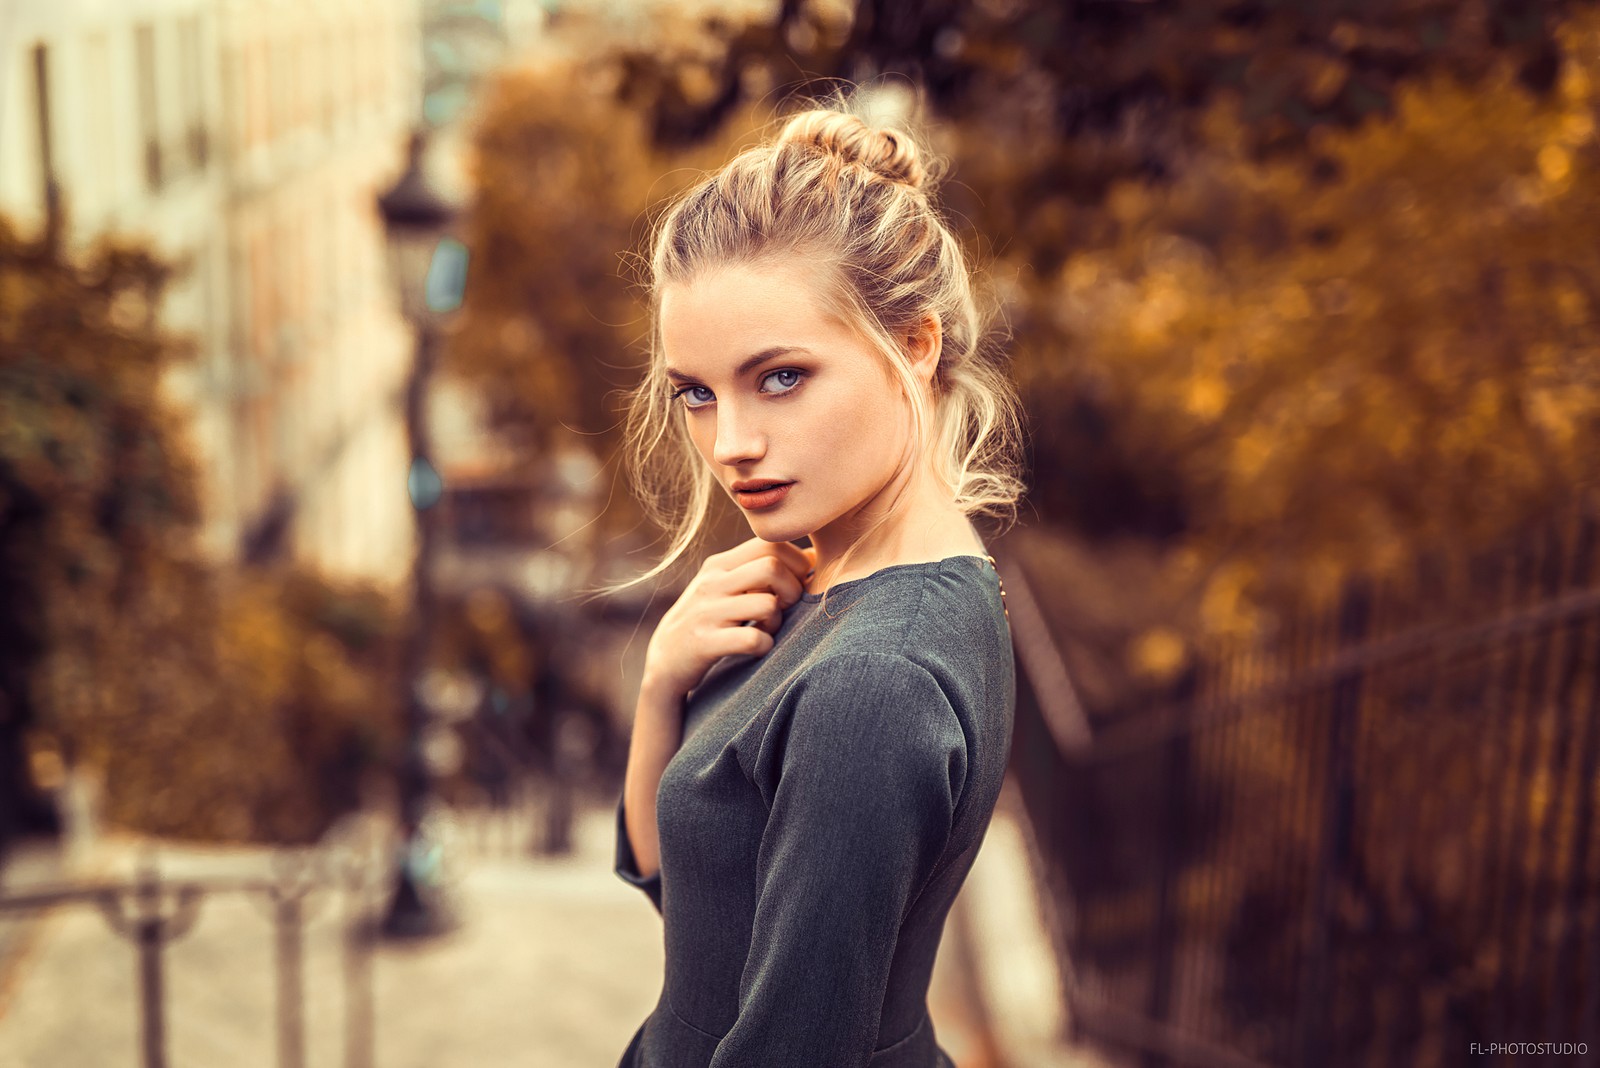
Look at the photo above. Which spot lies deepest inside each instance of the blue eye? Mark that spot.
(686, 392)
(788, 384)
(697, 396)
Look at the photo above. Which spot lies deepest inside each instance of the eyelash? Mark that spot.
(800, 377)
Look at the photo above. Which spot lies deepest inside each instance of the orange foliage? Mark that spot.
(1397, 345)
(216, 706)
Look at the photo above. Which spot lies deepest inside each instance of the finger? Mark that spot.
(756, 548)
(801, 561)
(747, 606)
(743, 553)
(791, 556)
(735, 641)
(771, 622)
(767, 573)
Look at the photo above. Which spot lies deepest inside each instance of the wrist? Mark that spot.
(658, 691)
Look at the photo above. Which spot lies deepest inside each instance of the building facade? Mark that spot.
(247, 140)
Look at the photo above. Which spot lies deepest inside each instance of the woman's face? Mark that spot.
(775, 390)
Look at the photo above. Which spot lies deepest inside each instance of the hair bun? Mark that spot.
(891, 154)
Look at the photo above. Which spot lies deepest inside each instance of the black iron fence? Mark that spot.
(1369, 839)
(152, 913)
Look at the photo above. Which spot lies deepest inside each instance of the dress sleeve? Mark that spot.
(627, 867)
(865, 767)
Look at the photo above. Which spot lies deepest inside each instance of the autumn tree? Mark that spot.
(1074, 96)
(216, 705)
(1397, 344)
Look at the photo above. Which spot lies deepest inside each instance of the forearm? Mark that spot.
(657, 733)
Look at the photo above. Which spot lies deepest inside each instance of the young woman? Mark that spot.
(822, 731)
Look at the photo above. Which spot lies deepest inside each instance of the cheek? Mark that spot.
(869, 416)
(854, 436)
(702, 432)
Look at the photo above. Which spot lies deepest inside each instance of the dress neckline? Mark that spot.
(918, 565)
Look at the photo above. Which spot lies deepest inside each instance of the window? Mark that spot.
(278, 76)
(103, 173)
(328, 64)
(191, 72)
(255, 91)
(307, 77)
(48, 192)
(149, 120)
(327, 293)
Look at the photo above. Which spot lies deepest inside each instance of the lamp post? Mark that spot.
(427, 269)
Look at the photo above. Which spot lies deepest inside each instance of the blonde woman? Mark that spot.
(822, 731)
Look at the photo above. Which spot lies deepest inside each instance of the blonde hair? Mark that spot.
(857, 199)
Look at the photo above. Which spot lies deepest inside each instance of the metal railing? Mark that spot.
(152, 912)
(1370, 838)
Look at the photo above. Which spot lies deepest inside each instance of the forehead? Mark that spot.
(715, 319)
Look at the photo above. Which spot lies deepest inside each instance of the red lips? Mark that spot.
(759, 492)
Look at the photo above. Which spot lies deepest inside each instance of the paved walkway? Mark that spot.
(556, 963)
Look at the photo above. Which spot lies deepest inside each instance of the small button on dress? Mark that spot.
(815, 825)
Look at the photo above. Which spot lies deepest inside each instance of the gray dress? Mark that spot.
(826, 803)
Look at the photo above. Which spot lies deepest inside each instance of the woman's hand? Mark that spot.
(734, 605)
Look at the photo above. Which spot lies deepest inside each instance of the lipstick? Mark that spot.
(761, 494)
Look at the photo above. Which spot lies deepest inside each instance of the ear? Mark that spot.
(924, 347)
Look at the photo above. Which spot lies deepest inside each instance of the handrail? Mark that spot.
(1041, 660)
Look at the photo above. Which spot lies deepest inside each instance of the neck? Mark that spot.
(927, 526)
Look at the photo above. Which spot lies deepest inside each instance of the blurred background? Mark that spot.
(315, 321)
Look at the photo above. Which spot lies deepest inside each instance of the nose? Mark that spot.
(739, 441)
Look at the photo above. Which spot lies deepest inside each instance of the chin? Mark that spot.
(777, 528)
(775, 532)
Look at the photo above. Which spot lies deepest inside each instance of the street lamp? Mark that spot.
(428, 271)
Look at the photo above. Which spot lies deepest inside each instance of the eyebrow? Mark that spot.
(750, 363)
